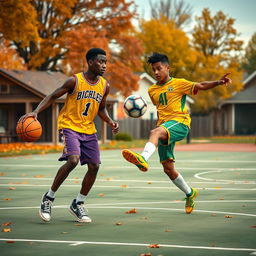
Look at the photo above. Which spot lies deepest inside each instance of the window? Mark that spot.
(4, 89)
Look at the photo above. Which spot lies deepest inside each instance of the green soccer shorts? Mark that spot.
(176, 132)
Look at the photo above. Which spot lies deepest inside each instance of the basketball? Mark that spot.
(29, 129)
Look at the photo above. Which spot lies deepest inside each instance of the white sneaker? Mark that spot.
(45, 208)
(77, 209)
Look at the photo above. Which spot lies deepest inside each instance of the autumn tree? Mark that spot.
(218, 51)
(123, 56)
(178, 12)
(161, 35)
(249, 62)
(18, 21)
(9, 58)
(53, 21)
(215, 35)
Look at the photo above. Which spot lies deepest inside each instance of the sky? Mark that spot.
(243, 11)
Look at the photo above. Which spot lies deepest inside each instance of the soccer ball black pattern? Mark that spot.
(135, 106)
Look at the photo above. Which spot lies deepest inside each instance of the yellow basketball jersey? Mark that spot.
(170, 100)
(82, 105)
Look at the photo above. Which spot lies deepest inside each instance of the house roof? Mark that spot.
(246, 96)
(41, 83)
(249, 78)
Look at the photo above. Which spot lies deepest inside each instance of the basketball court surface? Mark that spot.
(133, 213)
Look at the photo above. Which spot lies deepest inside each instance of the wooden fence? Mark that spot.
(201, 126)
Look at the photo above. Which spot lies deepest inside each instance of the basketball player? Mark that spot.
(86, 98)
(169, 97)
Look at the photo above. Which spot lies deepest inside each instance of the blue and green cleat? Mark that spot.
(190, 203)
(135, 159)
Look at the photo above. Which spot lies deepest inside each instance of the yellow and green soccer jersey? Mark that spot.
(82, 105)
(170, 100)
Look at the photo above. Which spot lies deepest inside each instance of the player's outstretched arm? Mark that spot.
(103, 113)
(206, 85)
(68, 86)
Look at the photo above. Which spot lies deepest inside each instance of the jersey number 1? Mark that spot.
(87, 106)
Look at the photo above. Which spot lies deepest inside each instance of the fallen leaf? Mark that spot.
(109, 179)
(213, 214)
(131, 211)
(78, 224)
(101, 194)
(76, 181)
(149, 182)
(253, 226)
(2, 173)
(167, 230)
(39, 176)
(7, 199)
(228, 216)
(119, 223)
(146, 254)
(6, 224)
(221, 198)
(154, 246)
(9, 242)
(217, 187)
(123, 186)
(11, 188)
(6, 230)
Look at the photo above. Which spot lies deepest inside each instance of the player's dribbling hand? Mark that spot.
(225, 79)
(114, 127)
(32, 114)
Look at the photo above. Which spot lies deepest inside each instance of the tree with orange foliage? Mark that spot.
(210, 57)
(18, 22)
(162, 35)
(38, 28)
(218, 50)
(123, 56)
(9, 59)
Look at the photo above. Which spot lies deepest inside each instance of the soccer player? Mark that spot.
(169, 97)
(86, 97)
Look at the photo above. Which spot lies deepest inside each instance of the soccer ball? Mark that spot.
(135, 106)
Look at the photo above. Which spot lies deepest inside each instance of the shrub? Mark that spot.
(123, 136)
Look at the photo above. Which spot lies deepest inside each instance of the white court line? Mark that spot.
(119, 158)
(128, 187)
(136, 181)
(75, 243)
(132, 206)
(198, 176)
(129, 166)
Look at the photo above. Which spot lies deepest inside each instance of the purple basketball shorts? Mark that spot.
(81, 144)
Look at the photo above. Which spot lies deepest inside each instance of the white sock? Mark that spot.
(51, 193)
(148, 150)
(182, 185)
(80, 198)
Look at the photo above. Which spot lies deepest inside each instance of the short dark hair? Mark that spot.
(158, 57)
(93, 52)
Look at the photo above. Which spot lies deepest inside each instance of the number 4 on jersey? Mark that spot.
(86, 110)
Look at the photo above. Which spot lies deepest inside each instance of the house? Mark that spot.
(238, 112)
(20, 93)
